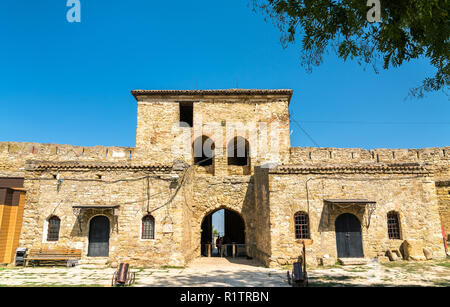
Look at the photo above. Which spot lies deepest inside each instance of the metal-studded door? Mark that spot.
(348, 236)
(99, 237)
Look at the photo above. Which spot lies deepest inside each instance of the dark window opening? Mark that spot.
(238, 150)
(53, 228)
(393, 225)
(301, 221)
(186, 114)
(148, 227)
(203, 151)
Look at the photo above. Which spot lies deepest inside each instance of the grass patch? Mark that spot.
(165, 267)
(339, 278)
(444, 264)
(356, 270)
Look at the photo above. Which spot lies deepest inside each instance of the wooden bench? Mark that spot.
(36, 256)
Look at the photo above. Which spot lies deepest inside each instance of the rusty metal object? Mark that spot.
(123, 276)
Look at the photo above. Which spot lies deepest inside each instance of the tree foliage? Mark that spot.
(408, 29)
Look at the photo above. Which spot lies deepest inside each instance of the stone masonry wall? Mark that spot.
(212, 193)
(263, 222)
(158, 128)
(13, 155)
(45, 197)
(436, 159)
(443, 194)
(412, 196)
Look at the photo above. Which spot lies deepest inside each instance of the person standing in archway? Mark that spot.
(219, 243)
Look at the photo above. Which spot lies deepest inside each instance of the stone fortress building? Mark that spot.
(199, 151)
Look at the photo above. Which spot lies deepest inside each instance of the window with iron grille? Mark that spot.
(53, 228)
(148, 227)
(393, 225)
(301, 220)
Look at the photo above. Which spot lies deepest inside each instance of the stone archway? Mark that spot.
(233, 236)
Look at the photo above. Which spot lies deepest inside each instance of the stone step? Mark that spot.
(353, 261)
(94, 261)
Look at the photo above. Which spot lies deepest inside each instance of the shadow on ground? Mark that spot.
(218, 278)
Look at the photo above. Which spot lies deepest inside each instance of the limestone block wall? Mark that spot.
(211, 193)
(436, 160)
(158, 127)
(13, 155)
(412, 195)
(443, 194)
(263, 223)
(124, 187)
(435, 157)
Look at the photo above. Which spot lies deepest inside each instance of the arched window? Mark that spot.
(238, 151)
(148, 227)
(53, 228)
(393, 224)
(203, 151)
(301, 220)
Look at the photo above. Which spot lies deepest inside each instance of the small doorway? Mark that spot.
(348, 236)
(99, 237)
(223, 234)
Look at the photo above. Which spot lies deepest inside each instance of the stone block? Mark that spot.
(413, 250)
(328, 261)
(428, 254)
(383, 259)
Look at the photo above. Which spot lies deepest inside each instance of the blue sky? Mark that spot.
(70, 83)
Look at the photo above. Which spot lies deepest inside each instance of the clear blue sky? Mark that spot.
(70, 83)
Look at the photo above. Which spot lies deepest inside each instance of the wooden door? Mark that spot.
(348, 236)
(99, 237)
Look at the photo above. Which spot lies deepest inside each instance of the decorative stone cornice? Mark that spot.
(352, 169)
(73, 165)
(223, 92)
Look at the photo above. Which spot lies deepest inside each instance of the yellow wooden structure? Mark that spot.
(12, 201)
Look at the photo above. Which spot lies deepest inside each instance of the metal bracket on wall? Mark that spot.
(371, 207)
(77, 213)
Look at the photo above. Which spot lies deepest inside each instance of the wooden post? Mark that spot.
(304, 257)
(234, 250)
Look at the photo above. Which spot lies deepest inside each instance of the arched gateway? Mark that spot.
(233, 236)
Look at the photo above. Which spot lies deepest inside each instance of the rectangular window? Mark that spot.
(186, 114)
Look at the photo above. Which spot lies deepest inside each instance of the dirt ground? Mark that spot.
(217, 272)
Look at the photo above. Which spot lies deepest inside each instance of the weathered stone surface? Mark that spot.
(411, 182)
(328, 261)
(392, 256)
(383, 259)
(413, 250)
(428, 254)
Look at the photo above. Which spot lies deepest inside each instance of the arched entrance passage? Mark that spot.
(229, 228)
(99, 237)
(348, 236)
